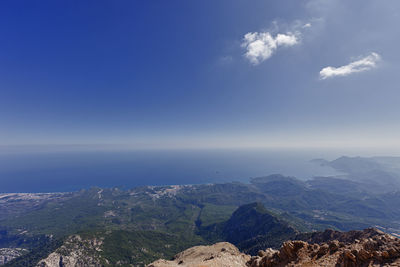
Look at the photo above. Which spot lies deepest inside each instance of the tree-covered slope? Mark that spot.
(184, 211)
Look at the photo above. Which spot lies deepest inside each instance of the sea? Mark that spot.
(72, 170)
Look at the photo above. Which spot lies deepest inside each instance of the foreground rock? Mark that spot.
(219, 255)
(369, 247)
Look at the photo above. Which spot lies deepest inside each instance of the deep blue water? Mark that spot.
(69, 171)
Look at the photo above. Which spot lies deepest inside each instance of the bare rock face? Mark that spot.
(370, 247)
(75, 252)
(7, 254)
(218, 255)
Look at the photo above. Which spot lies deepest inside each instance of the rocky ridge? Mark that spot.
(369, 247)
(75, 252)
(7, 254)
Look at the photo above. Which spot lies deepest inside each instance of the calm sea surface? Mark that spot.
(69, 171)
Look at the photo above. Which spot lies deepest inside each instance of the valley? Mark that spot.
(111, 226)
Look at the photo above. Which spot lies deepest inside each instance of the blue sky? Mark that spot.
(183, 74)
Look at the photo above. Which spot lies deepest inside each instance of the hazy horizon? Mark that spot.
(223, 86)
(71, 170)
(287, 74)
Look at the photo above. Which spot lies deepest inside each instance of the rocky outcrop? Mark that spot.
(370, 247)
(75, 252)
(219, 255)
(7, 254)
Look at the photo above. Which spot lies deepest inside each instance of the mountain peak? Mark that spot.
(256, 206)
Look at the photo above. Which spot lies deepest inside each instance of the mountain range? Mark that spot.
(114, 227)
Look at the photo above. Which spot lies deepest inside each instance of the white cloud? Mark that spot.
(364, 64)
(261, 45)
(307, 25)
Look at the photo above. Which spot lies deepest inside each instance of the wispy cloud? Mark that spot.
(262, 45)
(367, 63)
